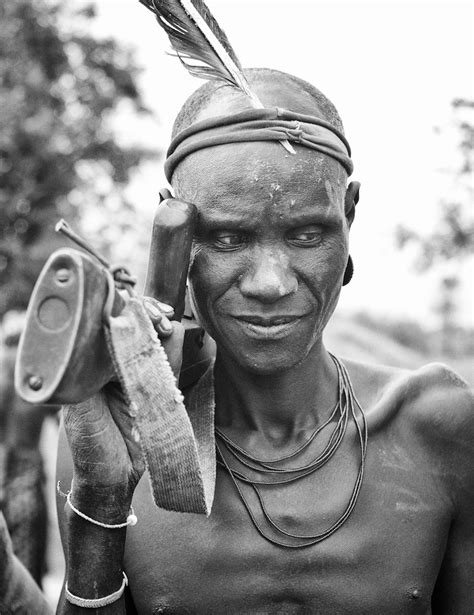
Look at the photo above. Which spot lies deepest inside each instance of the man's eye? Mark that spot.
(305, 236)
(228, 240)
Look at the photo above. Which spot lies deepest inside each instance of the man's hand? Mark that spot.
(106, 453)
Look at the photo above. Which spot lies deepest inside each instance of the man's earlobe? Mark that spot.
(351, 199)
(164, 194)
(349, 272)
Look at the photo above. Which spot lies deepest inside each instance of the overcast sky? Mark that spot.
(391, 68)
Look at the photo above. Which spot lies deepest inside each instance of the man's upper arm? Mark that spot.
(454, 591)
(448, 408)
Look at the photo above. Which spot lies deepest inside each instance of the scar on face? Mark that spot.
(275, 189)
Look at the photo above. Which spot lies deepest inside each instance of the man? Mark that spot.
(352, 521)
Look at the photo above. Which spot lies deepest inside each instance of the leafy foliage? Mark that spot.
(452, 240)
(59, 156)
(453, 237)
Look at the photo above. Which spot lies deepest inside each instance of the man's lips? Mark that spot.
(268, 321)
(268, 327)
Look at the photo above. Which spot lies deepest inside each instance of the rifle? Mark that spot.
(63, 356)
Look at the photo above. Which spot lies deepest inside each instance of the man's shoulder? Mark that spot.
(438, 399)
(431, 407)
(442, 404)
(439, 411)
(433, 396)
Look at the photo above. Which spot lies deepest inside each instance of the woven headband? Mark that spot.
(260, 125)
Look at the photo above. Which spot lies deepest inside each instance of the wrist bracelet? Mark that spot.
(131, 519)
(96, 603)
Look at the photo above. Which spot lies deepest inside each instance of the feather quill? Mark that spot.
(202, 45)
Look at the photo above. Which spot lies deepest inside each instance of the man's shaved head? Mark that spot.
(274, 88)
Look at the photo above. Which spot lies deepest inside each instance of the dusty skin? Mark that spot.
(268, 264)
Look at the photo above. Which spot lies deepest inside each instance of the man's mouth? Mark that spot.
(268, 321)
(268, 327)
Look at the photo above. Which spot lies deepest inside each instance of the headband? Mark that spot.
(260, 125)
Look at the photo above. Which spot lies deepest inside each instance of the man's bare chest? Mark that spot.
(383, 559)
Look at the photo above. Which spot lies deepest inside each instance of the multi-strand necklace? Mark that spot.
(272, 472)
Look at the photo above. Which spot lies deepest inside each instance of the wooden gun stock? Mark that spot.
(63, 356)
(170, 249)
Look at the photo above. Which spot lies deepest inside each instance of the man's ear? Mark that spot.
(350, 201)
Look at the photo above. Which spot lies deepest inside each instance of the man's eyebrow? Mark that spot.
(316, 216)
(222, 219)
(241, 221)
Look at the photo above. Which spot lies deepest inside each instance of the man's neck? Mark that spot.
(277, 405)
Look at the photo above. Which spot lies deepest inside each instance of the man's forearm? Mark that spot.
(94, 561)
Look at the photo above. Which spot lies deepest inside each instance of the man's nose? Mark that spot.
(269, 277)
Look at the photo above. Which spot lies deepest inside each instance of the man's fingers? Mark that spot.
(164, 327)
(160, 315)
(170, 332)
(158, 307)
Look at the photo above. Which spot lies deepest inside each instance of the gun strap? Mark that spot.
(178, 447)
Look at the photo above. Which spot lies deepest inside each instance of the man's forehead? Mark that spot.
(260, 167)
(245, 211)
(241, 186)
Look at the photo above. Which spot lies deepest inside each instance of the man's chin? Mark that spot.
(266, 361)
(265, 351)
(268, 368)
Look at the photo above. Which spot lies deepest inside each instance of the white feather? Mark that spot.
(221, 52)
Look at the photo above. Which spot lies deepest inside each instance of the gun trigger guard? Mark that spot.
(109, 302)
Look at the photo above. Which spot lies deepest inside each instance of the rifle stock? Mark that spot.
(63, 356)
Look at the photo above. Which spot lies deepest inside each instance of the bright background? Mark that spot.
(391, 68)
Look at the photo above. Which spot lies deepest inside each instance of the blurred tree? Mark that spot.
(446, 308)
(59, 155)
(452, 239)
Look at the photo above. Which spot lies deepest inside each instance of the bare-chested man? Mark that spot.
(268, 263)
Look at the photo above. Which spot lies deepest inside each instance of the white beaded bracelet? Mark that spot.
(131, 519)
(96, 603)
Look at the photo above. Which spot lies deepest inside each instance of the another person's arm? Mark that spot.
(18, 591)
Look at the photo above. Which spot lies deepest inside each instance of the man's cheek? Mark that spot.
(206, 287)
(210, 272)
(324, 267)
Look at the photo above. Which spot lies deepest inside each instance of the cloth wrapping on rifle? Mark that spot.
(178, 448)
